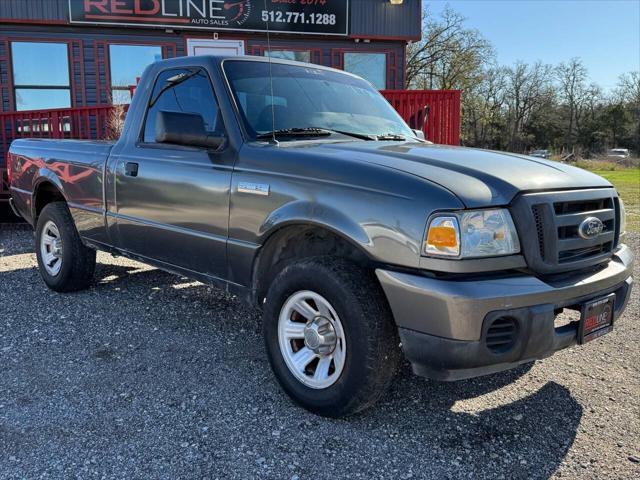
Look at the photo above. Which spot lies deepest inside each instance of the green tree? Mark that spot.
(449, 56)
(572, 77)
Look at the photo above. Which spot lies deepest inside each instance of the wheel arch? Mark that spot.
(45, 191)
(297, 239)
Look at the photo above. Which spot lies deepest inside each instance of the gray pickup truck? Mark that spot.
(299, 189)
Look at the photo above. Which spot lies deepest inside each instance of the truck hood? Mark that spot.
(479, 178)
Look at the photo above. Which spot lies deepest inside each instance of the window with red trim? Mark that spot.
(371, 66)
(298, 55)
(309, 55)
(32, 89)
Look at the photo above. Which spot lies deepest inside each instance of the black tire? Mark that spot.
(372, 353)
(78, 262)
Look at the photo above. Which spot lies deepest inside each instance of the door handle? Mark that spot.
(131, 169)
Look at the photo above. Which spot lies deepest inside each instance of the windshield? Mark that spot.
(305, 97)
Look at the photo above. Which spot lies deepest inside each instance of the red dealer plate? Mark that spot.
(597, 318)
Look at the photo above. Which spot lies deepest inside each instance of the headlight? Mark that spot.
(623, 217)
(475, 233)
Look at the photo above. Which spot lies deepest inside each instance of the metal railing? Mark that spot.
(88, 123)
(437, 111)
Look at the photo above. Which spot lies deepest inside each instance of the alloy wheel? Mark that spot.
(312, 340)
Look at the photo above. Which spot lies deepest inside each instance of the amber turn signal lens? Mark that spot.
(441, 237)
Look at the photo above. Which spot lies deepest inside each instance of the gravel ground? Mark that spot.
(149, 375)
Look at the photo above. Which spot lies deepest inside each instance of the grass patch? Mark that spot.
(597, 166)
(627, 182)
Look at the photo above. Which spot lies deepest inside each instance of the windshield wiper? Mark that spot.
(391, 136)
(314, 131)
(361, 136)
(295, 132)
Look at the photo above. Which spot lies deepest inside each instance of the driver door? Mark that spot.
(172, 201)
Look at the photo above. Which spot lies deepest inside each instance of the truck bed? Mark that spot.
(75, 167)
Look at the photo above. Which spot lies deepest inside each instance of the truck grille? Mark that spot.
(557, 243)
(539, 219)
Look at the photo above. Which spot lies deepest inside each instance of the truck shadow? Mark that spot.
(526, 438)
(12, 239)
(136, 275)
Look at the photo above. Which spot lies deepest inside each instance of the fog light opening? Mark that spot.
(502, 334)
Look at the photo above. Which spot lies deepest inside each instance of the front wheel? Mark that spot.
(330, 336)
(65, 264)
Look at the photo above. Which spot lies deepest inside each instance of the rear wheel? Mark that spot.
(65, 264)
(330, 336)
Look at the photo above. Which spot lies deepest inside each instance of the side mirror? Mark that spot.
(419, 118)
(419, 134)
(185, 129)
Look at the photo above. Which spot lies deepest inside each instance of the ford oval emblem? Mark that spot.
(590, 228)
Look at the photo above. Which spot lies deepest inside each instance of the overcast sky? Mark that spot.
(604, 33)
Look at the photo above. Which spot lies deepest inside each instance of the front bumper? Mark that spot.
(443, 323)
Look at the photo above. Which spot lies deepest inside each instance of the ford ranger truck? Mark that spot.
(298, 188)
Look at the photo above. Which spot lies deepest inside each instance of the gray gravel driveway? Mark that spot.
(149, 375)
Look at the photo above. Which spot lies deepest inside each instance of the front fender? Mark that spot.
(309, 213)
(244, 255)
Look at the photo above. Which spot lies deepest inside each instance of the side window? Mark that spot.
(185, 90)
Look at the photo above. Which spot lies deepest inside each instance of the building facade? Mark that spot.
(76, 53)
